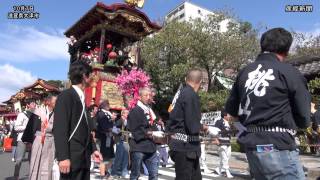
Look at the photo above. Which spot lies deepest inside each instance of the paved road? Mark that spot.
(169, 174)
(6, 171)
(7, 167)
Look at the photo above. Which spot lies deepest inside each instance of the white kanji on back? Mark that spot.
(256, 83)
(257, 80)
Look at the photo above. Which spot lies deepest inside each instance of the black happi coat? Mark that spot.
(185, 118)
(270, 93)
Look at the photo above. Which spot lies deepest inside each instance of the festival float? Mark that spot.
(38, 90)
(108, 38)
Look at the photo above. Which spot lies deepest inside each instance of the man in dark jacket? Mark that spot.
(184, 125)
(270, 98)
(121, 160)
(105, 123)
(73, 140)
(141, 120)
(34, 123)
(92, 110)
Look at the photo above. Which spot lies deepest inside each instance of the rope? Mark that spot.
(210, 139)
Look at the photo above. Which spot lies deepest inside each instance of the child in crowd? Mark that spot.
(224, 145)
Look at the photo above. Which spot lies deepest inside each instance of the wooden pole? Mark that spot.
(139, 60)
(102, 39)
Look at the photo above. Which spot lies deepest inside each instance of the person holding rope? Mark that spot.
(271, 100)
(184, 126)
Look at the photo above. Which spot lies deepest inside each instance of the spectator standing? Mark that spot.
(120, 165)
(73, 141)
(20, 126)
(271, 100)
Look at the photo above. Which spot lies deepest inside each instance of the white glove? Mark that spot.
(213, 131)
(226, 124)
(158, 134)
(115, 130)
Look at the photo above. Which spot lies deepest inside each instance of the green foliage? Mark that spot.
(216, 51)
(314, 84)
(213, 101)
(245, 26)
(169, 53)
(56, 83)
(314, 88)
(235, 147)
(303, 147)
(166, 58)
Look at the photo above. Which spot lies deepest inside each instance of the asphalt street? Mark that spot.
(7, 167)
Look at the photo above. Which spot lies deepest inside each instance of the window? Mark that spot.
(181, 7)
(199, 11)
(181, 16)
(175, 11)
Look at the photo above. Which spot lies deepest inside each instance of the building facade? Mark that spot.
(188, 11)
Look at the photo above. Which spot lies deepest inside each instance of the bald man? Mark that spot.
(184, 124)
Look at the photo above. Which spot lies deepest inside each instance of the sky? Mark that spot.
(36, 48)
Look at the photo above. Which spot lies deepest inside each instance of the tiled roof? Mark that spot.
(104, 14)
(33, 91)
(307, 65)
(44, 85)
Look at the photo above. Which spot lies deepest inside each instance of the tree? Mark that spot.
(169, 53)
(314, 88)
(213, 101)
(57, 83)
(167, 58)
(216, 51)
(305, 45)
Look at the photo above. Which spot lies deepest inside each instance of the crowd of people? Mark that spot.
(268, 102)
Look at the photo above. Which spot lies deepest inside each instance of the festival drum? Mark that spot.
(159, 137)
(160, 140)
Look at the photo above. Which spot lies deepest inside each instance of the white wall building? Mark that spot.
(187, 11)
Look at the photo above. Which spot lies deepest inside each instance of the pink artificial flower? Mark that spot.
(130, 82)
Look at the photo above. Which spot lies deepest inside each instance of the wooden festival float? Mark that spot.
(107, 37)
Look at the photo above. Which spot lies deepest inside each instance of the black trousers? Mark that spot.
(81, 174)
(187, 165)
